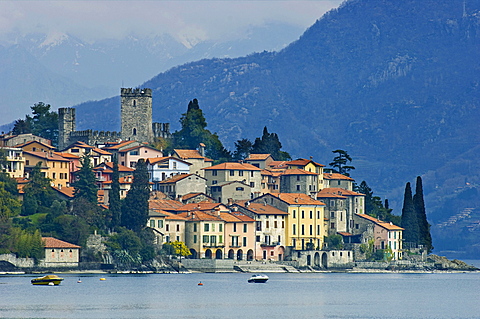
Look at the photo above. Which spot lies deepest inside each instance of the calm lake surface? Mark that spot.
(305, 295)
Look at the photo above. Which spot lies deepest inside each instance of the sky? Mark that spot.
(187, 21)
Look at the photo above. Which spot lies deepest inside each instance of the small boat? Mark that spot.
(51, 280)
(258, 278)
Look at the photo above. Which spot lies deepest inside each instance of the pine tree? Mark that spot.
(424, 236)
(339, 163)
(409, 219)
(114, 202)
(135, 205)
(85, 181)
(38, 195)
(269, 143)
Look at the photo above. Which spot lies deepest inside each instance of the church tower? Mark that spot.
(136, 114)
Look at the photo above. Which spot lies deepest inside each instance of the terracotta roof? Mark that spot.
(138, 146)
(121, 168)
(340, 191)
(193, 154)
(336, 176)
(261, 209)
(67, 191)
(297, 171)
(303, 162)
(200, 216)
(170, 216)
(297, 199)
(199, 206)
(47, 156)
(175, 178)
(118, 146)
(51, 242)
(344, 234)
(191, 195)
(30, 142)
(164, 204)
(257, 157)
(67, 155)
(100, 151)
(278, 165)
(325, 193)
(381, 223)
(233, 166)
(235, 217)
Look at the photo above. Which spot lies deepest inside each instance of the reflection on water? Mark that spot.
(230, 296)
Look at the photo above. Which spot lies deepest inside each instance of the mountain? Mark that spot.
(395, 83)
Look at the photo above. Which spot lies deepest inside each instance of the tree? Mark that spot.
(135, 204)
(269, 143)
(243, 148)
(409, 219)
(38, 195)
(84, 183)
(339, 163)
(334, 241)
(44, 123)
(178, 248)
(194, 132)
(114, 203)
(374, 206)
(424, 236)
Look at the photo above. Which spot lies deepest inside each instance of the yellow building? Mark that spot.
(305, 221)
(53, 166)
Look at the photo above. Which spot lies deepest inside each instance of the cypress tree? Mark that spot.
(135, 205)
(114, 203)
(409, 220)
(424, 236)
(85, 181)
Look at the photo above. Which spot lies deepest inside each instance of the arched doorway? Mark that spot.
(219, 254)
(281, 253)
(316, 260)
(250, 255)
(208, 254)
(193, 254)
(239, 254)
(231, 254)
(324, 260)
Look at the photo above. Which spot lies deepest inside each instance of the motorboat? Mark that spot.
(51, 280)
(258, 278)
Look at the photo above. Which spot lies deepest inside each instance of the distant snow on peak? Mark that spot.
(53, 39)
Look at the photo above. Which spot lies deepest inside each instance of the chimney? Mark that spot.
(217, 209)
(201, 149)
(230, 202)
(247, 204)
(296, 199)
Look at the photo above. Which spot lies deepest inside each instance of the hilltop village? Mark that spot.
(234, 215)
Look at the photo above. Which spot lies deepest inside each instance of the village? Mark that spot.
(250, 215)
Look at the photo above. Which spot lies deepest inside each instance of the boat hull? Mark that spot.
(47, 280)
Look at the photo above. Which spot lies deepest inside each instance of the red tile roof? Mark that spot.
(381, 223)
(51, 242)
(297, 171)
(257, 157)
(233, 166)
(67, 191)
(297, 199)
(336, 176)
(154, 160)
(193, 154)
(48, 156)
(302, 162)
(340, 191)
(164, 204)
(261, 209)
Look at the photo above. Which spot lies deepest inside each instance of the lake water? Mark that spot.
(305, 295)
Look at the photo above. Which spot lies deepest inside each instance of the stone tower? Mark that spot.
(136, 113)
(66, 125)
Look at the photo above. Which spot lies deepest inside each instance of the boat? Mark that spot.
(51, 280)
(258, 278)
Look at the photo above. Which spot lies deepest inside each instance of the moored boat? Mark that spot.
(47, 280)
(258, 278)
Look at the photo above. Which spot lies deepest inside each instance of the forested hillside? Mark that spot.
(393, 82)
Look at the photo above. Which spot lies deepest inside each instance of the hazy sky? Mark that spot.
(185, 20)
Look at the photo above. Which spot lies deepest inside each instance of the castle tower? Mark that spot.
(66, 125)
(136, 113)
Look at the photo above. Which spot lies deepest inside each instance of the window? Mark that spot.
(275, 224)
(311, 215)
(213, 227)
(318, 229)
(244, 228)
(252, 184)
(167, 227)
(298, 187)
(234, 227)
(294, 213)
(332, 214)
(194, 239)
(235, 241)
(251, 174)
(311, 230)
(206, 227)
(214, 172)
(134, 152)
(239, 189)
(244, 241)
(160, 224)
(258, 226)
(220, 227)
(134, 103)
(134, 131)
(214, 182)
(213, 239)
(178, 227)
(257, 238)
(294, 230)
(220, 239)
(232, 173)
(283, 224)
(54, 175)
(174, 165)
(195, 227)
(74, 150)
(303, 229)
(240, 173)
(152, 223)
(267, 224)
(205, 239)
(303, 214)
(332, 225)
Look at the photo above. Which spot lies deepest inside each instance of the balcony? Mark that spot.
(213, 245)
(272, 244)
